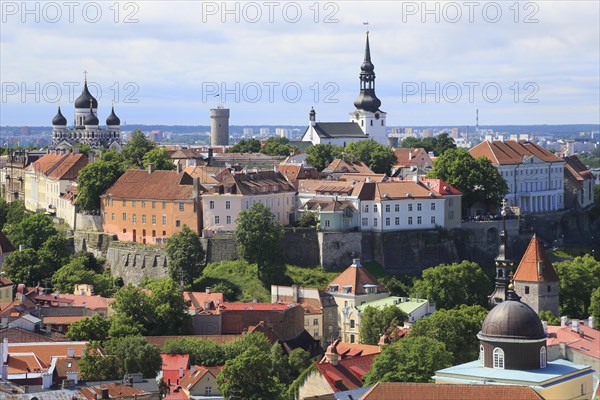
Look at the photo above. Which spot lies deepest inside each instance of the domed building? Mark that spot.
(86, 128)
(513, 351)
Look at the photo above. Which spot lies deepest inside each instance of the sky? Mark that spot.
(269, 62)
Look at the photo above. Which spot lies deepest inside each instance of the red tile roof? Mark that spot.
(439, 186)
(355, 276)
(340, 166)
(588, 343)
(44, 351)
(4, 281)
(385, 191)
(91, 302)
(347, 374)
(409, 157)
(198, 300)
(114, 391)
(576, 171)
(175, 361)
(59, 166)
(442, 391)
(535, 265)
(255, 306)
(512, 152)
(21, 362)
(158, 185)
(261, 182)
(63, 319)
(190, 379)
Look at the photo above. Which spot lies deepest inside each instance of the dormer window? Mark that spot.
(370, 289)
(347, 289)
(333, 288)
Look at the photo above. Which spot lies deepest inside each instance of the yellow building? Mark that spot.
(6, 290)
(201, 381)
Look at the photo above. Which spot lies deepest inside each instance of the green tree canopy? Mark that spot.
(376, 156)
(22, 266)
(82, 269)
(245, 146)
(476, 178)
(202, 351)
(93, 180)
(438, 144)
(54, 253)
(249, 377)
(160, 158)
(456, 328)
(550, 318)
(93, 328)
(32, 232)
(321, 155)
(375, 322)
(277, 146)
(131, 307)
(185, 255)
(452, 285)
(578, 279)
(412, 359)
(595, 307)
(132, 154)
(259, 239)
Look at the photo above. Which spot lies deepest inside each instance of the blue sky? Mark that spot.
(436, 62)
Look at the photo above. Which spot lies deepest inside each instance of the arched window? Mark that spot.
(482, 355)
(498, 358)
(543, 357)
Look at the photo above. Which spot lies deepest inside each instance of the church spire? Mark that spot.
(503, 266)
(367, 100)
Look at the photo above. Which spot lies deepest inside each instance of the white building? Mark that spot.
(535, 176)
(366, 122)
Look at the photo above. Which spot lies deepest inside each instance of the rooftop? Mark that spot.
(586, 341)
(353, 280)
(158, 185)
(512, 152)
(408, 306)
(535, 265)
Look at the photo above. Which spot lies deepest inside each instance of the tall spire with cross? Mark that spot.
(504, 265)
(367, 100)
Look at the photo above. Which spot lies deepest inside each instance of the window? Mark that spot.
(410, 220)
(208, 391)
(498, 358)
(410, 208)
(397, 208)
(132, 203)
(143, 204)
(352, 324)
(164, 219)
(143, 219)
(134, 218)
(374, 221)
(419, 206)
(433, 220)
(154, 220)
(543, 357)
(374, 207)
(351, 338)
(124, 203)
(177, 224)
(366, 208)
(228, 205)
(181, 207)
(482, 355)
(387, 221)
(397, 221)
(164, 205)
(549, 288)
(316, 321)
(387, 208)
(526, 289)
(228, 219)
(217, 219)
(432, 206)
(419, 220)
(327, 223)
(153, 204)
(365, 221)
(211, 205)
(112, 216)
(124, 216)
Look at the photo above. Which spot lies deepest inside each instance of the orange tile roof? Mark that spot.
(588, 343)
(65, 364)
(355, 276)
(4, 281)
(439, 186)
(158, 185)
(44, 351)
(93, 303)
(401, 190)
(63, 319)
(535, 265)
(198, 300)
(512, 152)
(190, 379)
(255, 306)
(346, 350)
(19, 363)
(443, 391)
(340, 166)
(347, 374)
(412, 156)
(69, 167)
(207, 175)
(114, 391)
(174, 361)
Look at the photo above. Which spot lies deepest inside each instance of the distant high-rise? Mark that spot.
(219, 126)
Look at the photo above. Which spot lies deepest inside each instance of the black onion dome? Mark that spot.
(59, 119)
(113, 119)
(83, 101)
(367, 101)
(91, 119)
(512, 319)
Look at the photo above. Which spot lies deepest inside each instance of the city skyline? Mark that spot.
(178, 64)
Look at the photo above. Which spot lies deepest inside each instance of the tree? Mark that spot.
(82, 269)
(452, 285)
(321, 155)
(476, 178)
(185, 255)
(131, 307)
(259, 239)
(93, 328)
(132, 154)
(202, 351)
(32, 231)
(245, 146)
(160, 158)
(248, 376)
(15, 212)
(413, 143)
(280, 366)
(578, 279)
(442, 142)
(96, 365)
(412, 359)
(22, 266)
(256, 340)
(595, 307)
(93, 180)
(168, 309)
(375, 322)
(376, 156)
(54, 253)
(550, 318)
(308, 219)
(134, 354)
(456, 328)
(277, 146)
(299, 360)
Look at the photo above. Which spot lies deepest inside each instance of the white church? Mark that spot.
(366, 122)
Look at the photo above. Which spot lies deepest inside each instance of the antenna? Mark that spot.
(477, 121)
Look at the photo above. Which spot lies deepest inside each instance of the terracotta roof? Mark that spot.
(158, 185)
(69, 167)
(93, 303)
(4, 281)
(198, 300)
(18, 335)
(328, 205)
(340, 166)
(346, 350)
(588, 343)
(114, 391)
(355, 276)
(44, 351)
(535, 265)
(208, 175)
(359, 177)
(293, 172)
(21, 362)
(65, 364)
(5, 247)
(402, 190)
(512, 152)
(576, 171)
(439, 186)
(175, 361)
(253, 183)
(63, 319)
(347, 374)
(190, 379)
(443, 391)
(255, 306)
(413, 156)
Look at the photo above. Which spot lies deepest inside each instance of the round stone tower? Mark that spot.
(219, 126)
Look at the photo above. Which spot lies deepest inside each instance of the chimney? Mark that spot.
(47, 380)
(180, 372)
(21, 247)
(563, 320)
(356, 262)
(591, 321)
(415, 179)
(575, 325)
(410, 156)
(192, 369)
(150, 168)
(294, 293)
(179, 168)
(5, 351)
(196, 188)
(70, 352)
(545, 325)
(208, 290)
(104, 393)
(210, 156)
